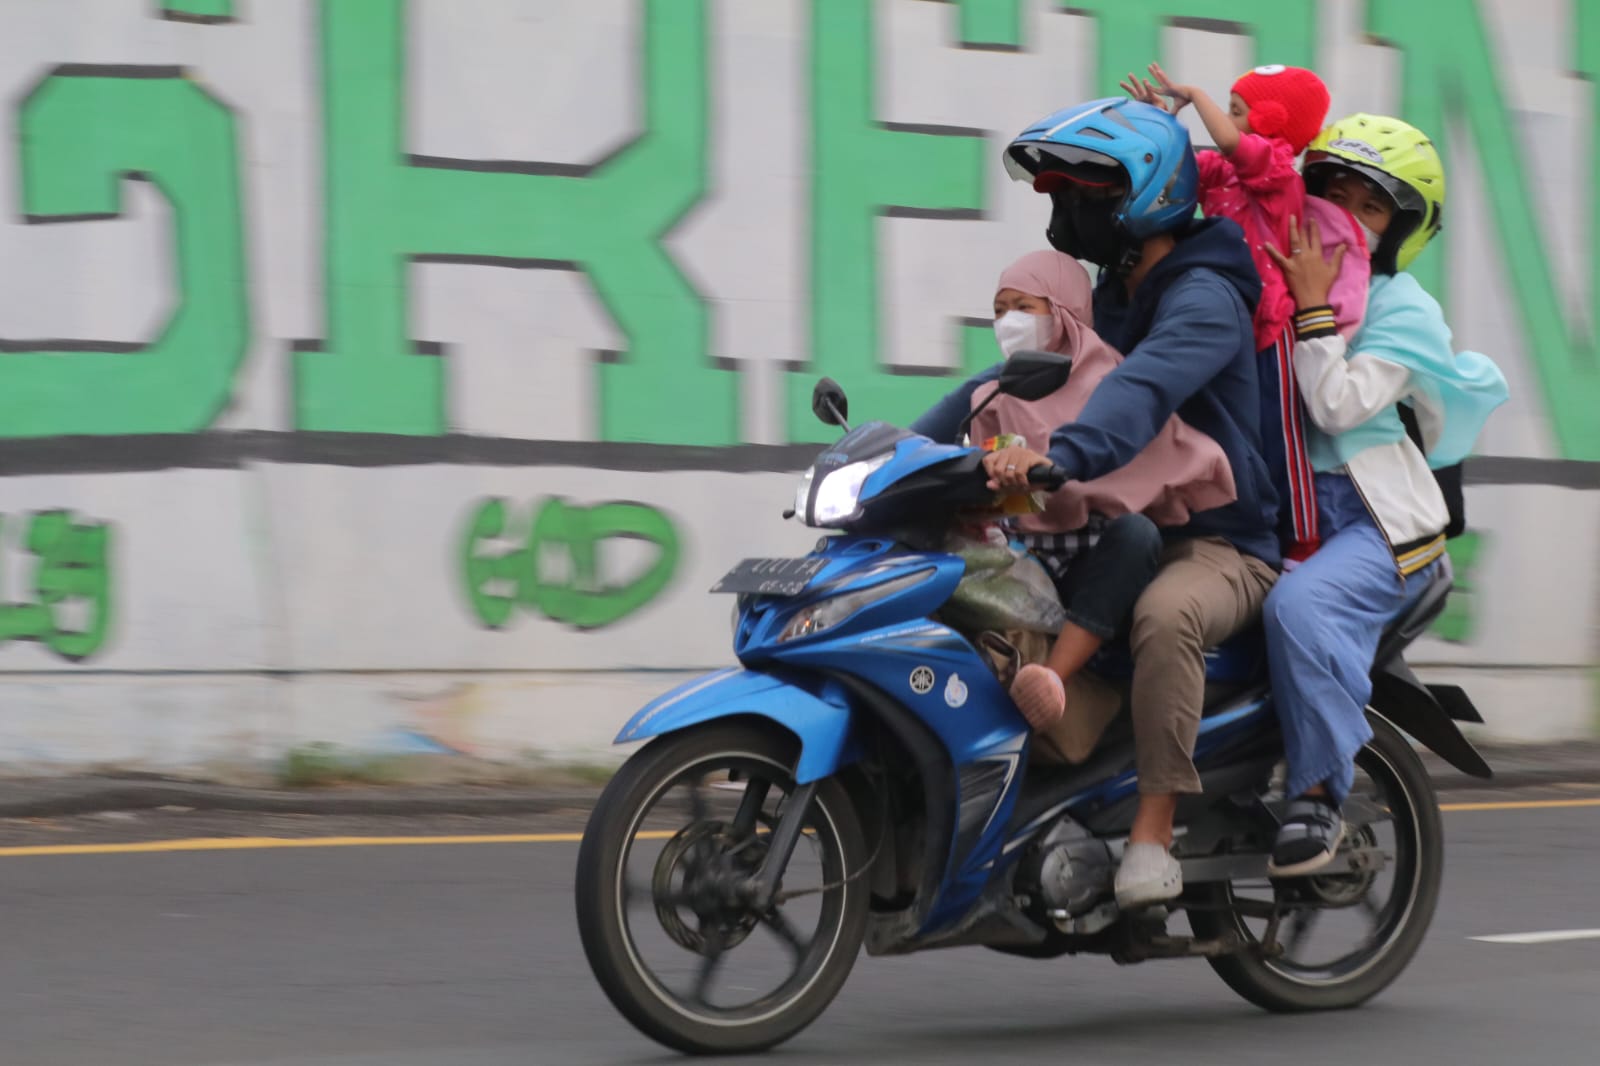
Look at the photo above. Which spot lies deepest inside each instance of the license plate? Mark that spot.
(771, 577)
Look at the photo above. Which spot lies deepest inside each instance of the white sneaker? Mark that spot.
(1148, 874)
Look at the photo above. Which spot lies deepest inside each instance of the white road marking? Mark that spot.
(1551, 937)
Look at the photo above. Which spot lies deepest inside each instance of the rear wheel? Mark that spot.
(676, 946)
(1344, 938)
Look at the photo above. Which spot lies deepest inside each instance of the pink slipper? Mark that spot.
(1039, 695)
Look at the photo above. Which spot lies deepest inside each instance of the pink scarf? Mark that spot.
(1179, 472)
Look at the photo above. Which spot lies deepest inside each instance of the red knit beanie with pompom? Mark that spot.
(1288, 103)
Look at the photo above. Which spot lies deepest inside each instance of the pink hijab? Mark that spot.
(1179, 472)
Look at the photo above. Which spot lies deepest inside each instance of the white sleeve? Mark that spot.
(1340, 394)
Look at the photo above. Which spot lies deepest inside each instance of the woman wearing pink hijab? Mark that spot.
(1099, 539)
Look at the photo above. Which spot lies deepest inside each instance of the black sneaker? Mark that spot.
(1308, 839)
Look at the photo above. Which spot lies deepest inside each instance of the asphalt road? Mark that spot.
(466, 955)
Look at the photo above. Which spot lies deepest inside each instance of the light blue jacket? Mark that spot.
(1405, 336)
(1401, 354)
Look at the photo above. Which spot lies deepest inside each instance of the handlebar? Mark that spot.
(1047, 476)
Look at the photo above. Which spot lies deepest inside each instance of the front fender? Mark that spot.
(823, 726)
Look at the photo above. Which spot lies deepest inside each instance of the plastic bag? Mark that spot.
(1005, 588)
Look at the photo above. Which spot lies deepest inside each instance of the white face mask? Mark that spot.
(1372, 238)
(1018, 331)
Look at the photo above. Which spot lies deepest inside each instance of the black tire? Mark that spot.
(1276, 985)
(602, 894)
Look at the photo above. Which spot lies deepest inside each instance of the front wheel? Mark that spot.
(1344, 938)
(675, 945)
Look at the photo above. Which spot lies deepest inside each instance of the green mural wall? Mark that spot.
(85, 131)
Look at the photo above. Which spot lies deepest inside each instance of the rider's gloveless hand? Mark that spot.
(1008, 468)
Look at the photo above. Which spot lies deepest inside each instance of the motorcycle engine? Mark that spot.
(1072, 869)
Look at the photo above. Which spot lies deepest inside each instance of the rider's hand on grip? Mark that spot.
(1013, 470)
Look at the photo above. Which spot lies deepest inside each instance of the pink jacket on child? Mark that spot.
(1259, 188)
(1180, 471)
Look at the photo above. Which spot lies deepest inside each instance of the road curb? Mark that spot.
(399, 802)
(56, 798)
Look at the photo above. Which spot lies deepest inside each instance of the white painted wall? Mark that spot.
(261, 608)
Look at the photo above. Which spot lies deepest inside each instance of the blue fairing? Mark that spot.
(854, 564)
(821, 723)
(973, 719)
(859, 651)
(911, 455)
(1221, 736)
(883, 645)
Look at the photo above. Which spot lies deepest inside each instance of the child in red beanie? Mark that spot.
(1273, 113)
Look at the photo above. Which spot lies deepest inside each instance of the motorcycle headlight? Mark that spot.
(839, 492)
(830, 612)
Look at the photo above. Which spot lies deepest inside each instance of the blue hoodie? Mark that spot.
(1189, 350)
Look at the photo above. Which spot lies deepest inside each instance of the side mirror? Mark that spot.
(1032, 376)
(828, 403)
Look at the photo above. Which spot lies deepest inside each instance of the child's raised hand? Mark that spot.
(1141, 90)
(1307, 272)
(1180, 95)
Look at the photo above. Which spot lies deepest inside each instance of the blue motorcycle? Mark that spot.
(863, 778)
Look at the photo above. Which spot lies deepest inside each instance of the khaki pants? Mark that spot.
(1205, 592)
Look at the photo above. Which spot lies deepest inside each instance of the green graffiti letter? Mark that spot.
(558, 529)
(22, 621)
(863, 169)
(611, 602)
(386, 208)
(72, 571)
(84, 131)
(1128, 32)
(73, 565)
(1448, 60)
(582, 597)
(561, 571)
(485, 572)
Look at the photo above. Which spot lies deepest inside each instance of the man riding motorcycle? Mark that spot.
(1176, 295)
(862, 778)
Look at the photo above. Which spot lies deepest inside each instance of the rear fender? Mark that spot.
(1456, 703)
(1409, 705)
(822, 724)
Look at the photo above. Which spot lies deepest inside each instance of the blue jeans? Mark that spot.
(1323, 623)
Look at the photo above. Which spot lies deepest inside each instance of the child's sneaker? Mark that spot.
(1039, 695)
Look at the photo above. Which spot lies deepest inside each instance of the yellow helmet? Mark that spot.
(1398, 158)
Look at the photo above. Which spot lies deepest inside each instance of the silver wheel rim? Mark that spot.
(812, 963)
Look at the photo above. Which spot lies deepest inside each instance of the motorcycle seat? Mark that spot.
(1241, 660)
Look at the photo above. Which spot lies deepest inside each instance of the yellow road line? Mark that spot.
(262, 843)
(268, 843)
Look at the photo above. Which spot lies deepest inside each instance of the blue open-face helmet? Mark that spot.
(1148, 145)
